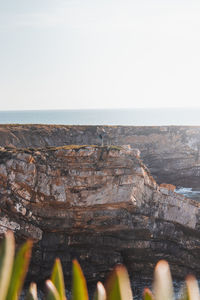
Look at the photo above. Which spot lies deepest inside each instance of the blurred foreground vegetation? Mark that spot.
(13, 269)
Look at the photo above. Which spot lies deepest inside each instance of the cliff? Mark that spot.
(172, 153)
(98, 204)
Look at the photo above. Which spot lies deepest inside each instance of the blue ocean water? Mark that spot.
(189, 193)
(134, 117)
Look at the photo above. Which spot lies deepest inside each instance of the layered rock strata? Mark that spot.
(172, 153)
(98, 204)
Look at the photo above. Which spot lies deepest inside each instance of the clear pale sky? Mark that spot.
(61, 54)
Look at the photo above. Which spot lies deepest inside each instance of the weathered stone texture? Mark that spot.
(172, 153)
(99, 204)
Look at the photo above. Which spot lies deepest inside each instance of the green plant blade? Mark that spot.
(19, 271)
(58, 279)
(52, 293)
(100, 293)
(147, 294)
(7, 252)
(189, 291)
(192, 288)
(79, 286)
(32, 292)
(163, 288)
(118, 285)
(182, 295)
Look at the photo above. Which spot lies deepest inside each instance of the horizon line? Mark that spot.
(100, 109)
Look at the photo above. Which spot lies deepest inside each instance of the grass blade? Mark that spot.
(7, 253)
(182, 295)
(192, 288)
(19, 271)
(52, 293)
(32, 292)
(163, 288)
(118, 285)
(147, 294)
(58, 279)
(100, 293)
(79, 286)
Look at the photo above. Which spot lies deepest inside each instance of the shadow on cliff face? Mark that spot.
(103, 211)
(100, 205)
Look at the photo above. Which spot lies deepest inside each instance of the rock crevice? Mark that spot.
(98, 204)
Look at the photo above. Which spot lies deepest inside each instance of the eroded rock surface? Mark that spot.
(172, 153)
(98, 204)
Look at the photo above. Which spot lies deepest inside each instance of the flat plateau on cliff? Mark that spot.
(172, 153)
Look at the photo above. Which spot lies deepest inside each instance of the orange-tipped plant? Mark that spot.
(100, 293)
(117, 287)
(13, 269)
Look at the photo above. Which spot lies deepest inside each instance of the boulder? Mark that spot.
(168, 186)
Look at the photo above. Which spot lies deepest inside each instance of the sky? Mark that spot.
(80, 54)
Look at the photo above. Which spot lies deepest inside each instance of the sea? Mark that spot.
(129, 117)
(189, 193)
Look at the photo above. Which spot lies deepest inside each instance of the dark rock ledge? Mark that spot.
(98, 204)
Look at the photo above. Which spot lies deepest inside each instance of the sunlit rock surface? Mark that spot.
(172, 153)
(98, 204)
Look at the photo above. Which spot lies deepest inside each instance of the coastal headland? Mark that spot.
(75, 195)
(172, 153)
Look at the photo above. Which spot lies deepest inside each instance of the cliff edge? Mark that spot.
(172, 153)
(99, 204)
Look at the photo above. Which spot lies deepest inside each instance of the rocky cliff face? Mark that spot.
(172, 153)
(98, 204)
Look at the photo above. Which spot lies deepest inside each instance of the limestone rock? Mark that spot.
(168, 186)
(98, 204)
(172, 153)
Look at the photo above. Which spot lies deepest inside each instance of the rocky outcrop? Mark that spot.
(98, 204)
(172, 153)
(170, 187)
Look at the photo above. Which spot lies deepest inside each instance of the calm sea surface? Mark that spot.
(135, 117)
